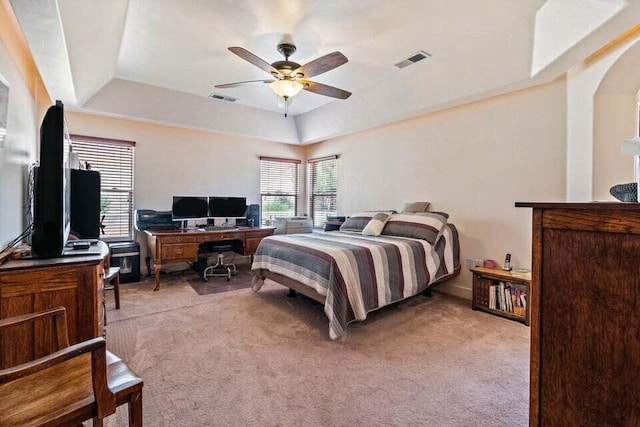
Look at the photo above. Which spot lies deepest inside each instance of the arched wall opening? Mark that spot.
(615, 117)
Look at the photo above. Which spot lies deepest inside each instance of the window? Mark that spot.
(323, 188)
(114, 160)
(279, 188)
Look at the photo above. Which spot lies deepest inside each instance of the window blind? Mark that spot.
(279, 188)
(114, 160)
(323, 189)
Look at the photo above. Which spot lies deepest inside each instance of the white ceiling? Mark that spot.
(159, 60)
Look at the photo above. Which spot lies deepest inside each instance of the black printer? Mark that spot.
(147, 219)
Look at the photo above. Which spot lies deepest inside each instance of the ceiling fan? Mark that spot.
(291, 77)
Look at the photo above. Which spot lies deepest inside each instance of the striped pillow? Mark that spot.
(424, 225)
(376, 224)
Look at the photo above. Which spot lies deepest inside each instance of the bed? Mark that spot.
(353, 272)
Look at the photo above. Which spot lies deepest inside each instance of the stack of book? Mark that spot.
(505, 296)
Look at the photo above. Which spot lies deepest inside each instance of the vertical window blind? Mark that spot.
(323, 188)
(114, 160)
(279, 188)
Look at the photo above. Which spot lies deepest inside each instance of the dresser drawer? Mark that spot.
(178, 251)
(178, 239)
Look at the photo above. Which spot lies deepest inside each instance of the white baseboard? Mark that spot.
(454, 289)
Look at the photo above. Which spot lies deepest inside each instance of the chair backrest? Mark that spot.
(66, 386)
(47, 330)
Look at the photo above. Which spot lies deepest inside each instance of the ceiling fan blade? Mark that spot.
(258, 62)
(322, 64)
(228, 85)
(325, 90)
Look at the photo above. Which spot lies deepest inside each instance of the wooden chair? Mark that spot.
(112, 281)
(71, 385)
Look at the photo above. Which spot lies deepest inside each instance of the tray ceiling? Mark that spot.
(159, 60)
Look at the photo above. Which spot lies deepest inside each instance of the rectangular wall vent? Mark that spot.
(418, 56)
(223, 98)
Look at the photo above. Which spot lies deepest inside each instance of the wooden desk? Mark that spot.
(173, 246)
(30, 285)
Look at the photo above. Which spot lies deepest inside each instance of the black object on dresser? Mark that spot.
(51, 187)
(85, 203)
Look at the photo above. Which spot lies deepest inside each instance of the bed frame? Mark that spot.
(295, 286)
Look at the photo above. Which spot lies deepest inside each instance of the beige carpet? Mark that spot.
(241, 358)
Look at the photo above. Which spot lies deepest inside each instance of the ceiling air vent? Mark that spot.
(223, 98)
(418, 56)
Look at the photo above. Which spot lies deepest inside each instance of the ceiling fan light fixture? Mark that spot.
(286, 88)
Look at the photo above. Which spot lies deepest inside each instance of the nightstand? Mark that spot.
(503, 293)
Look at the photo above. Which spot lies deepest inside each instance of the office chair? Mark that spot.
(220, 268)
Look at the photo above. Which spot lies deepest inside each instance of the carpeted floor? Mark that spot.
(239, 358)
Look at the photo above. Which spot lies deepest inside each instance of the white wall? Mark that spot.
(615, 118)
(19, 147)
(601, 112)
(473, 162)
(174, 161)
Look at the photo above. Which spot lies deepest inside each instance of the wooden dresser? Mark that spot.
(585, 314)
(26, 286)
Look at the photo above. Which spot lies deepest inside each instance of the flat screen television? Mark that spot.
(189, 207)
(52, 197)
(227, 207)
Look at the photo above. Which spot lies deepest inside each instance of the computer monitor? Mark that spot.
(227, 207)
(189, 207)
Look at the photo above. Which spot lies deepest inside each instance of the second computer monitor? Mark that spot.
(227, 207)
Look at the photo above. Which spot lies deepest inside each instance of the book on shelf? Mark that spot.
(505, 296)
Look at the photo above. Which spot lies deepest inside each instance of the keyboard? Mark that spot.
(220, 227)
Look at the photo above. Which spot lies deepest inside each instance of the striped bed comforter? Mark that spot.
(356, 273)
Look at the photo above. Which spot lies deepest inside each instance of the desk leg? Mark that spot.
(156, 272)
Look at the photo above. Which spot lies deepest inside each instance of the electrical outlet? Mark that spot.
(472, 262)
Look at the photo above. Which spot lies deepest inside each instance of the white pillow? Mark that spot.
(415, 207)
(376, 224)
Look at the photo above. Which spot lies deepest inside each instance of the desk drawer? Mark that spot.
(259, 233)
(178, 239)
(178, 251)
(214, 237)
